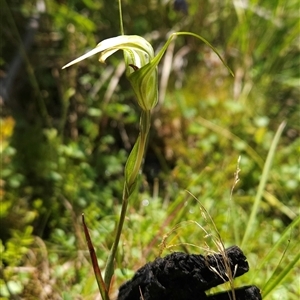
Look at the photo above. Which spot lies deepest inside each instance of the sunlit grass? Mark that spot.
(201, 130)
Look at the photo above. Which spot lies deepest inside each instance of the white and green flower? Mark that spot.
(141, 64)
(138, 54)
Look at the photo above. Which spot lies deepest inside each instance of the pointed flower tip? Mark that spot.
(73, 62)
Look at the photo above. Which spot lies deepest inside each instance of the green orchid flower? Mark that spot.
(141, 64)
(138, 53)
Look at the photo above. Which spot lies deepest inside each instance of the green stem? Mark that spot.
(121, 18)
(130, 181)
(109, 269)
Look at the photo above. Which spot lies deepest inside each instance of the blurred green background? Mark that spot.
(66, 134)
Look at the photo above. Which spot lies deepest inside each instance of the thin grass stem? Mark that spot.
(121, 17)
(274, 282)
(262, 184)
(284, 237)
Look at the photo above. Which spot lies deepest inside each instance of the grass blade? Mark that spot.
(262, 184)
(274, 282)
(284, 237)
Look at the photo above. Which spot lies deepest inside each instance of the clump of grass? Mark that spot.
(212, 234)
(211, 241)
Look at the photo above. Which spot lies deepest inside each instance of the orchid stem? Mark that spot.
(128, 189)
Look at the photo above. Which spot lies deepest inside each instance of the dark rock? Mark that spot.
(244, 293)
(181, 276)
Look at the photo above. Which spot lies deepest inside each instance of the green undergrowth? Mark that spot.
(229, 145)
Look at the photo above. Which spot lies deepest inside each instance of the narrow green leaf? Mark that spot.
(101, 285)
(160, 54)
(132, 166)
(262, 184)
(283, 238)
(274, 282)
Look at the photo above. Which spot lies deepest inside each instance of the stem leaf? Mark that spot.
(101, 285)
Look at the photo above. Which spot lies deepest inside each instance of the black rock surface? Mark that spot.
(181, 276)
